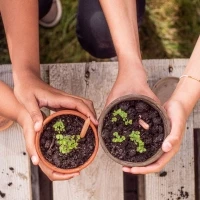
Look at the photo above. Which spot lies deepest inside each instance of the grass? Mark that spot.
(170, 30)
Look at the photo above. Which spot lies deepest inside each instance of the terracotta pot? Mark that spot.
(5, 123)
(51, 166)
(153, 104)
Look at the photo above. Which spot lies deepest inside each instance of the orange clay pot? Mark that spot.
(5, 123)
(51, 166)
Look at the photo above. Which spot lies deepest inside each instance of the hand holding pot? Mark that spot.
(33, 93)
(130, 80)
(171, 145)
(8, 107)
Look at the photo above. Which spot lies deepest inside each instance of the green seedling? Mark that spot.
(67, 143)
(123, 115)
(59, 126)
(118, 138)
(135, 137)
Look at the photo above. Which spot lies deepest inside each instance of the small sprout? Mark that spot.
(123, 115)
(118, 138)
(114, 119)
(59, 136)
(67, 143)
(128, 121)
(143, 124)
(135, 137)
(59, 126)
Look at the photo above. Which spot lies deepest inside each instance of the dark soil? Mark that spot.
(181, 194)
(2, 194)
(11, 169)
(9, 184)
(75, 158)
(163, 174)
(152, 138)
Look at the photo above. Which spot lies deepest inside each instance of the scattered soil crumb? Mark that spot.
(163, 174)
(11, 169)
(170, 69)
(9, 184)
(22, 176)
(181, 194)
(24, 153)
(2, 194)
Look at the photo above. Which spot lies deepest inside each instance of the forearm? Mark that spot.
(9, 106)
(188, 90)
(121, 17)
(20, 20)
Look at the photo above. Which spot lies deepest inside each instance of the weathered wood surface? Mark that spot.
(180, 170)
(103, 179)
(94, 81)
(14, 165)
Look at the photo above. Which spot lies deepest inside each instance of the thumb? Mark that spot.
(35, 113)
(29, 135)
(174, 137)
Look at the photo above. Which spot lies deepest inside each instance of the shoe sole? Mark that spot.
(57, 19)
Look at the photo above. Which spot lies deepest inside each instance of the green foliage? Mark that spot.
(171, 28)
(59, 126)
(114, 119)
(118, 138)
(135, 137)
(123, 115)
(67, 143)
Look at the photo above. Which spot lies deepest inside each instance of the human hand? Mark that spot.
(171, 144)
(130, 81)
(33, 93)
(27, 124)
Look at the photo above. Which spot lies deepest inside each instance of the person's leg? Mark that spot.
(92, 29)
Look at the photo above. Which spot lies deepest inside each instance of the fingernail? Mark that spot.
(167, 146)
(37, 126)
(96, 121)
(125, 169)
(34, 160)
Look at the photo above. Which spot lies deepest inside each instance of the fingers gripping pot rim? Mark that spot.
(50, 165)
(154, 105)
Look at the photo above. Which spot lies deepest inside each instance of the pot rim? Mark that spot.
(150, 102)
(50, 165)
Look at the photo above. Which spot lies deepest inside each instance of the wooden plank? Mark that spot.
(102, 179)
(180, 170)
(15, 165)
(196, 114)
(197, 162)
(44, 184)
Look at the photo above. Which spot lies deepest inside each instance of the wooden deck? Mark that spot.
(103, 180)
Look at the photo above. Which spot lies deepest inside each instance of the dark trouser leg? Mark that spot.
(44, 7)
(92, 29)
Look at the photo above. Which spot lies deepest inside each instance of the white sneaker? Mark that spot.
(54, 15)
